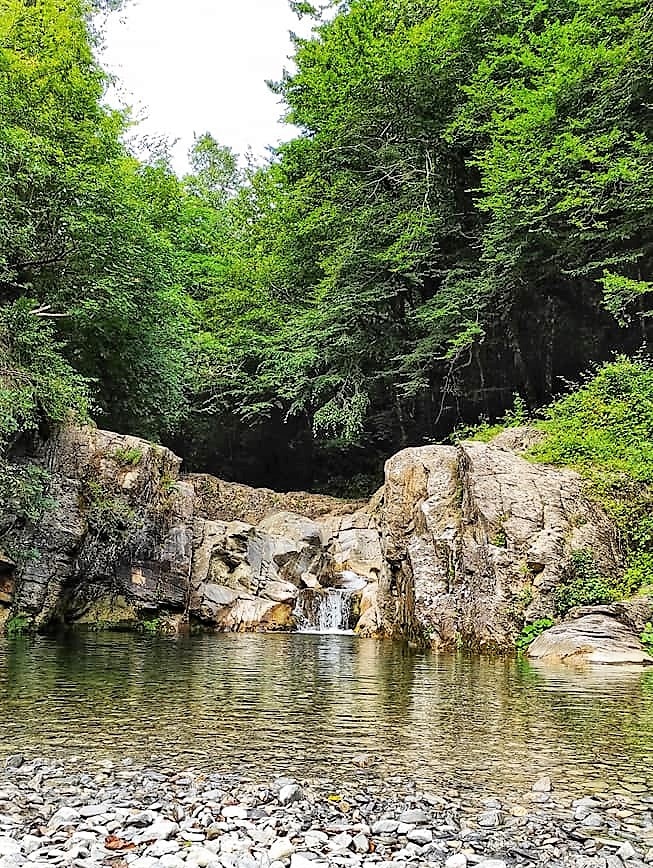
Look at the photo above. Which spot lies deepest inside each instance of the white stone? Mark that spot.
(201, 856)
(543, 785)
(626, 851)
(458, 860)
(234, 812)
(169, 860)
(415, 816)
(144, 862)
(8, 846)
(63, 817)
(289, 794)
(593, 821)
(341, 841)
(492, 863)
(361, 843)
(299, 861)
(95, 810)
(420, 836)
(385, 827)
(162, 848)
(160, 830)
(281, 849)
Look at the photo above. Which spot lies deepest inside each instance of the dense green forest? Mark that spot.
(466, 214)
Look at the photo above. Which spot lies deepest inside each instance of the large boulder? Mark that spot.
(120, 530)
(475, 540)
(597, 638)
(285, 547)
(353, 547)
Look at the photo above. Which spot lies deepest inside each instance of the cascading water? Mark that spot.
(324, 611)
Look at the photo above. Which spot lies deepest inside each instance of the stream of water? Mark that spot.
(308, 704)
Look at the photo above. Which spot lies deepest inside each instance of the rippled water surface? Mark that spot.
(309, 704)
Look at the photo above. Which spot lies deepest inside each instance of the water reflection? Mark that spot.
(308, 704)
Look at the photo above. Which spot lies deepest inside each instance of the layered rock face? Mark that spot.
(131, 542)
(475, 540)
(460, 546)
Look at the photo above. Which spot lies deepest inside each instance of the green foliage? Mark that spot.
(37, 386)
(470, 183)
(531, 631)
(584, 585)
(483, 431)
(19, 625)
(151, 625)
(109, 517)
(24, 499)
(647, 638)
(604, 429)
(85, 229)
(129, 456)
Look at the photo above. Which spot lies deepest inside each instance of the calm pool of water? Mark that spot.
(308, 704)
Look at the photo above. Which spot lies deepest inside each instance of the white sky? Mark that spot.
(191, 66)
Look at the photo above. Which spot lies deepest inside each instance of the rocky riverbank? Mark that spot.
(461, 546)
(87, 815)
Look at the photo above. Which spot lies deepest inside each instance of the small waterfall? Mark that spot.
(324, 611)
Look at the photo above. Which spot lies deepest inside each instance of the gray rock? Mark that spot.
(627, 851)
(593, 821)
(420, 836)
(385, 827)
(598, 639)
(289, 794)
(281, 849)
(414, 816)
(542, 785)
(490, 819)
(8, 846)
(64, 817)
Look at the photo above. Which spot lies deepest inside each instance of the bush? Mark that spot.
(531, 631)
(130, 457)
(647, 637)
(604, 430)
(584, 585)
(37, 385)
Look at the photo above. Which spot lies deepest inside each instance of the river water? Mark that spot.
(308, 705)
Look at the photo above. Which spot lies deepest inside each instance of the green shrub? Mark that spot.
(151, 625)
(108, 516)
(130, 457)
(584, 585)
(647, 637)
(483, 432)
(24, 499)
(19, 625)
(531, 631)
(604, 430)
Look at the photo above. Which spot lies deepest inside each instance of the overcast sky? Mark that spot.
(191, 66)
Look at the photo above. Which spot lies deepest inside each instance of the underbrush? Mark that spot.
(604, 430)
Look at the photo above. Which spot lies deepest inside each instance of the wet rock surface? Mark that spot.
(88, 815)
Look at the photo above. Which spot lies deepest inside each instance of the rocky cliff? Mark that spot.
(462, 545)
